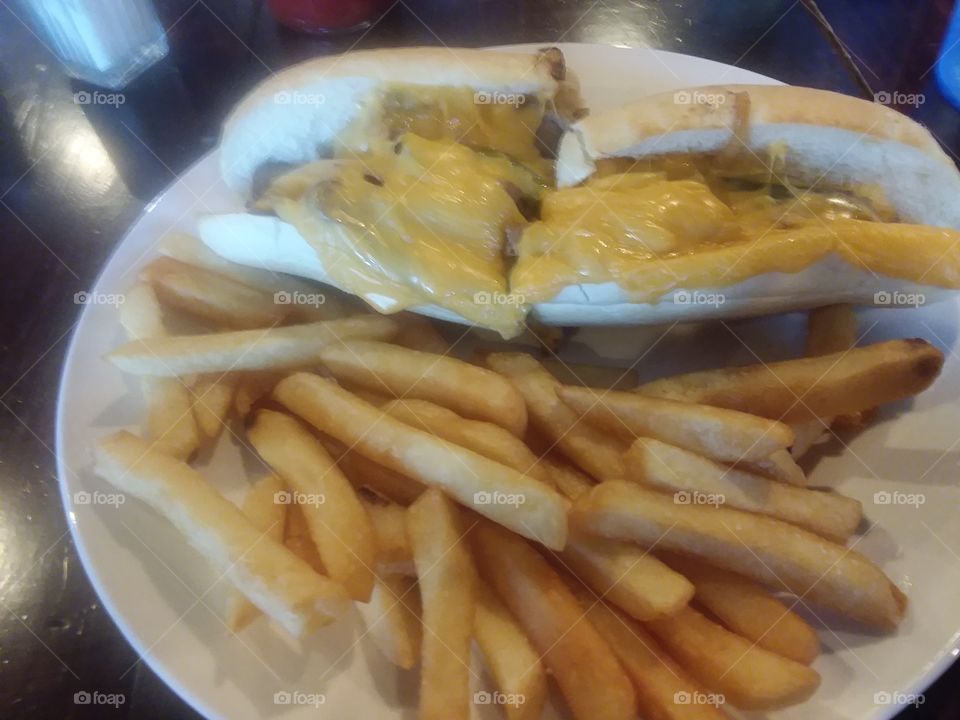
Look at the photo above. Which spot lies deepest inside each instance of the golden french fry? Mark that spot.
(420, 333)
(307, 301)
(514, 664)
(750, 610)
(266, 349)
(595, 452)
(297, 539)
(488, 439)
(627, 576)
(824, 386)
(602, 377)
(252, 387)
(170, 423)
(698, 480)
(274, 579)
(580, 661)
(447, 581)
(393, 546)
(212, 296)
(338, 521)
(830, 329)
(664, 689)
(141, 314)
(392, 618)
(769, 551)
(748, 676)
(506, 496)
(397, 371)
(780, 466)
(567, 479)
(213, 398)
(268, 517)
(717, 433)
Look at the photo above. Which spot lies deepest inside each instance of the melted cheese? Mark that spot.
(424, 225)
(673, 222)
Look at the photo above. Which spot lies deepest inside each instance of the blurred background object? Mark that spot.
(328, 16)
(105, 42)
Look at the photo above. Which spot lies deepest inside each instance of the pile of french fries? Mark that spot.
(644, 549)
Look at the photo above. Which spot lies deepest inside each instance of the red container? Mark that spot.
(327, 16)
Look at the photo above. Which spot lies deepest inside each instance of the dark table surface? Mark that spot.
(72, 178)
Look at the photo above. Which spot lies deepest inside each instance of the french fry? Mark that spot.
(213, 398)
(718, 433)
(392, 618)
(274, 579)
(664, 689)
(749, 610)
(564, 477)
(393, 546)
(297, 539)
(748, 676)
(170, 422)
(769, 551)
(830, 329)
(690, 477)
(141, 314)
(309, 302)
(580, 661)
(338, 521)
(267, 349)
(514, 664)
(397, 371)
(595, 452)
(488, 439)
(627, 575)
(780, 466)
(602, 377)
(447, 581)
(267, 516)
(420, 333)
(212, 296)
(252, 387)
(365, 473)
(805, 389)
(506, 496)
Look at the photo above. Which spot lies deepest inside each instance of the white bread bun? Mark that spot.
(304, 107)
(823, 137)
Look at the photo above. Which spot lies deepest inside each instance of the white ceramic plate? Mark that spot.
(167, 601)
